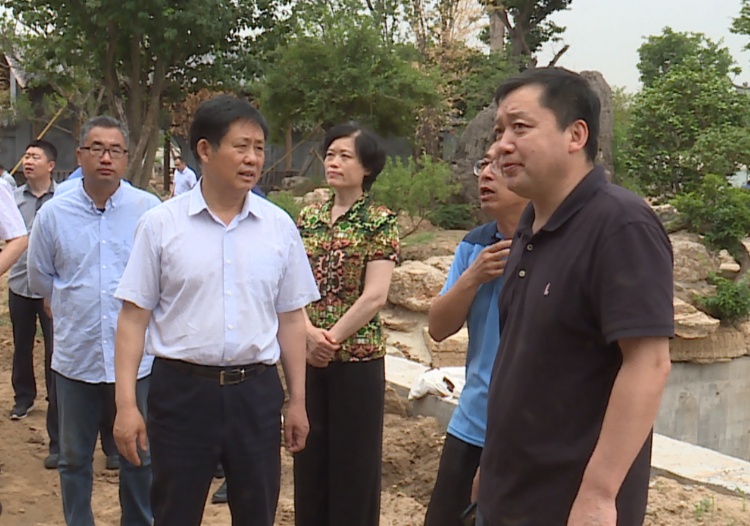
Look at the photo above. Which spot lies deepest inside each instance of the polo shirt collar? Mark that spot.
(198, 203)
(576, 200)
(50, 190)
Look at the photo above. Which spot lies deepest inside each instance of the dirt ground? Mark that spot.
(31, 495)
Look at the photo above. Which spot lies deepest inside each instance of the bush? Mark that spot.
(416, 188)
(286, 201)
(452, 216)
(732, 300)
(718, 211)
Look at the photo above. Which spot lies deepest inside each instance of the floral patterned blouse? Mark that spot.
(338, 255)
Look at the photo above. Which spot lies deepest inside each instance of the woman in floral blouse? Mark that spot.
(353, 247)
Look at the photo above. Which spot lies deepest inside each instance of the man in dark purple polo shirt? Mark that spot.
(587, 314)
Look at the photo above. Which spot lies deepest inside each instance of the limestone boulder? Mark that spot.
(398, 322)
(442, 263)
(690, 323)
(666, 213)
(290, 183)
(319, 195)
(692, 260)
(721, 346)
(728, 266)
(451, 352)
(606, 117)
(415, 285)
(745, 330)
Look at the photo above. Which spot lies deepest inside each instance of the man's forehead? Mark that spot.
(520, 103)
(107, 136)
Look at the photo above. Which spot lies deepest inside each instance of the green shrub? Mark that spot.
(718, 211)
(452, 216)
(732, 300)
(286, 201)
(416, 188)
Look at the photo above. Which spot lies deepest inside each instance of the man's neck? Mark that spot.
(100, 193)
(226, 205)
(507, 220)
(40, 187)
(545, 205)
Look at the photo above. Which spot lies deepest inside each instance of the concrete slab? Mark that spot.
(681, 460)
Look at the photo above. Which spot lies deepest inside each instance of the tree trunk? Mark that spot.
(288, 146)
(137, 85)
(497, 29)
(136, 165)
(167, 162)
(148, 163)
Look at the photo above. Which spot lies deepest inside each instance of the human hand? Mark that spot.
(592, 509)
(130, 434)
(296, 427)
(47, 309)
(321, 347)
(475, 486)
(490, 263)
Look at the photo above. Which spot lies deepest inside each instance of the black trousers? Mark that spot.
(452, 493)
(337, 476)
(23, 315)
(193, 423)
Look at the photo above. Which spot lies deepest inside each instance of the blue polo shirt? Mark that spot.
(469, 421)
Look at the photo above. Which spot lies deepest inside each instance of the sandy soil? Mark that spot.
(31, 495)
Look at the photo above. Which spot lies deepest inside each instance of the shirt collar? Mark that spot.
(114, 200)
(198, 203)
(576, 200)
(50, 190)
(325, 210)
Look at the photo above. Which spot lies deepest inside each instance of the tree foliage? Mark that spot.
(661, 52)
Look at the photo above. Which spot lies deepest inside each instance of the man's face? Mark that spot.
(179, 164)
(531, 148)
(494, 196)
(36, 166)
(110, 167)
(237, 163)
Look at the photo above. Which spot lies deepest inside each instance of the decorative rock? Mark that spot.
(745, 330)
(690, 323)
(290, 183)
(692, 260)
(450, 352)
(319, 195)
(728, 267)
(398, 323)
(442, 263)
(721, 346)
(415, 285)
(666, 213)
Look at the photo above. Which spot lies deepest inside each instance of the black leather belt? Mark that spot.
(232, 375)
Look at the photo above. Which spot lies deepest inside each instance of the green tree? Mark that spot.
(659, 53)
(679, 121)
(135, 50)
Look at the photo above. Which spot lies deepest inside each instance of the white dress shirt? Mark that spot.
(76, 257)
(184, 180)
(215, 290)
(11, 220)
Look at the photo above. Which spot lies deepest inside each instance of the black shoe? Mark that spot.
(220, 497)
(113, 462)
(19, 411)
(219, 472)
(51, 461)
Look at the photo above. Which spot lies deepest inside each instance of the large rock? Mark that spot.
(442, 263)
(415, 285)
(721, 346)
(692, 260)
(728, 267)
(606, 117)
(472, 145)
(451, 352)
(319, 195)
(690, 323)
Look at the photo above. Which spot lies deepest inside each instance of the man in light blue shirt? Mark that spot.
(471, 295)
(80, 244)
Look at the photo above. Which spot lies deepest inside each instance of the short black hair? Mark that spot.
(368, 146)
(49, 149)
(568, 95)
(214, 117)
(106, 122)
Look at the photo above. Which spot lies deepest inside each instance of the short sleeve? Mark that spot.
(458, 267)
(140, 283)
(633, 284)
(384, 243)
(11, 221)
(297, 287)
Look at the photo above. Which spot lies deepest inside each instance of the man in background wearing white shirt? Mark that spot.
(220, 278)
(184, 177)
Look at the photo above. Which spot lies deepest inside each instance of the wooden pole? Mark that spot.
(43, 133)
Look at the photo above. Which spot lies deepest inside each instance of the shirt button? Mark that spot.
(104, 292)
(104, 341)
(104, 317)
(229, 293)
(230, 327)
(529, 247)
(104, 267)
(229, 360)
(521, 273)
(229, 261)
(104, 242)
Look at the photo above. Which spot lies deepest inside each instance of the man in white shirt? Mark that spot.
(184, 177)
(220, 278)
(5, 176)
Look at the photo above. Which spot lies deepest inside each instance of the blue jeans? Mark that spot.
(80, 407)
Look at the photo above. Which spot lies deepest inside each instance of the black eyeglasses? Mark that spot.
(115, 152)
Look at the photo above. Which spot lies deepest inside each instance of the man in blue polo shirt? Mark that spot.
(471, 295)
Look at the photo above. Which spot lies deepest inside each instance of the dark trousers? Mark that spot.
(193, 423)
(23, 315)
(337, 476)
(452, 493)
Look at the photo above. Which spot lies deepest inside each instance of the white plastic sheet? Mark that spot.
(446, 382)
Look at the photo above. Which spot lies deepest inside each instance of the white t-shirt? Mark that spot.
(11, 221)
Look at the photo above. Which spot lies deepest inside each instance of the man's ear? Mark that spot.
(204, 150)
(579, 136)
